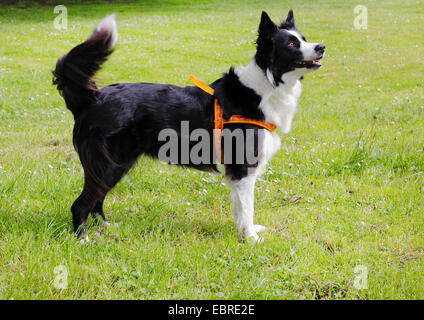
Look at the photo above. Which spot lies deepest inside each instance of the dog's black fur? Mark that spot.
(117, 124)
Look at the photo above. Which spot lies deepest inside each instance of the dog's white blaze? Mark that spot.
(109, 24)
(307, 49)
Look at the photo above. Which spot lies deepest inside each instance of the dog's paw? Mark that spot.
(254, 239)
(84, 240)
(251, 234)
(259, 228)
(108, 224)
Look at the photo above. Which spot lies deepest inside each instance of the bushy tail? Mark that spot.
(74, 71)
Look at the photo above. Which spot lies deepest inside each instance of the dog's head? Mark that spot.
(283, 50)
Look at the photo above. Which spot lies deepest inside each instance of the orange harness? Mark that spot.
(219, 121)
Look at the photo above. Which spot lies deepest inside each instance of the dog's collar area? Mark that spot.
(219, 121)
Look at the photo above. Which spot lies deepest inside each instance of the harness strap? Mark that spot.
(199, 83)
(219, 121)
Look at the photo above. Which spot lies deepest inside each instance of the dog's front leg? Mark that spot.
(242, 195)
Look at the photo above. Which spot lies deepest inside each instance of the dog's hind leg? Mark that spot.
(104, 163)
(111, 177)
(98, 210)
(85, 203)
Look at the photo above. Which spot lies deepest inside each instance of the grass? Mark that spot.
(345, 190)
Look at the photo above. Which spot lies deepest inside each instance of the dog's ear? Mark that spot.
(266, 28)
(289, 23)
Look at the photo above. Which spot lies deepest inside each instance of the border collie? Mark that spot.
(118, 123)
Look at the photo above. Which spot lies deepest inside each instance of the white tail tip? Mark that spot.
(109, 23)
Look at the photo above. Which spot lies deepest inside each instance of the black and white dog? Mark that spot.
(117, 124)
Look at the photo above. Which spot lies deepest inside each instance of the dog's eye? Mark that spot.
(291, 44)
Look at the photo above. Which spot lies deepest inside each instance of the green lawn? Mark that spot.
(345, 190)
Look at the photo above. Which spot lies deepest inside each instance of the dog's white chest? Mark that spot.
(280, 105)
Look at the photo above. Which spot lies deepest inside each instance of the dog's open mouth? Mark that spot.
(308, 64)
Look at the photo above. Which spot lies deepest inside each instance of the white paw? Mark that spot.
(259, 228)
(108, 224)
(85, 240)
(254, 239)
(251, 235)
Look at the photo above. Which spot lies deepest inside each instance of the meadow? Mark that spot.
(342, 200)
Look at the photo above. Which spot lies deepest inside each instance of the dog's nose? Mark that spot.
(320, 48)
